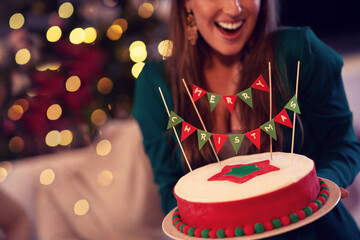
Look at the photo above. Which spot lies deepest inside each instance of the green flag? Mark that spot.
(293, 105)
(236, 140)
(213, 100)
(203, 137)
(269, 128)
(246, 96)
(174, 120)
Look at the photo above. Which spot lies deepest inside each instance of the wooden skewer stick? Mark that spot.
(202, 123)
(177, 137)
(271, 155)
(296, 95)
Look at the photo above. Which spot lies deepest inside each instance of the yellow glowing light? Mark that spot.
(73, 83)
(90, 35)
(114, 32)
(105, 85)
(110, 3)
(165, 48)
(31, 93)
(136, 69)
(138, 54)
(3, 174)
(54, 66)
(22, 56)
(98, 117)
(53, 138)
(16, 21)
(77, 36)
(105, 178)
(42, 67)
(47, 177)
(15, 112)
(66, 137)
(122, 23)
(23, 103)
(146, 10)
(66, 10)
(137, 44)
(16, 144)
(53, 34)
(54, 112)
(81, 207)
(103, 147)
(7, 165)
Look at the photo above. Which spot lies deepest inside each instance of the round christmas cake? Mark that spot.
(247, 194)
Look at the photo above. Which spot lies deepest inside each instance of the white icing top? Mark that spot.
(195, 187)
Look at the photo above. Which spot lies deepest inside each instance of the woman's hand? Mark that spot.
(344, 193)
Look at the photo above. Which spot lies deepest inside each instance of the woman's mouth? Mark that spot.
(230, 30)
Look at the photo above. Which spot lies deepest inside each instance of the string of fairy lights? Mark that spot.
(137, 52)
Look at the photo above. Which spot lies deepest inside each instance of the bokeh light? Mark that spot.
(3, 174)
(66, 137)
(22, 56)
(138, 51)
(73, 83)
(110, 3)
(122, 23)
(137, 68)
(98, 117)
(77, 36)
(90, 35)
(66, 10)
(16, 144)
(54, 112)
(81, 207)
(16, 21)
(47, 177)
(53, 138)
(15, 112)
(114, 32)
(53, 34)
(105, 178)
(7, 165)
(103, 147)
(146, 10)
(165, 48)
(105, 85)
(23, 103)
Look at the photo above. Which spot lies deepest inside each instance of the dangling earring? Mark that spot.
(191, 29)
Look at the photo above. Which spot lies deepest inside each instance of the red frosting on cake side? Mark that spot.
(251, 210)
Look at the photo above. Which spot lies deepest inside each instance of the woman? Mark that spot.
(223, 46)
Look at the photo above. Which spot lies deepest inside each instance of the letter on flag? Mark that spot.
(246, 96)
(174, 120)
(236, 140)
(283, 118)
(197, 93)
(254, 137)
(203, 137)
(260, 84)
(187, 130)
(293, 105)
(269, 128)
(213, 100)
(219, 141)
(230, 102)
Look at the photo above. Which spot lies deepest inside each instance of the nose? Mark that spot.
(232, 7)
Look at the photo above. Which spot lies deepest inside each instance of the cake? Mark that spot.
(247, 194)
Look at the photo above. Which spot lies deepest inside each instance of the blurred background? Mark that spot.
(67, 75)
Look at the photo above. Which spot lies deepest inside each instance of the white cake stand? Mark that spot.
(333, 199)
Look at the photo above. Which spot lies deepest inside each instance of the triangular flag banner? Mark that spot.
(203, 137)
(213, 100)
(246, 96)
(230, 102)
(174, 120)
(293, 105)
(197, 92)
(269, 128)
(219, 141)
(283, 118)
(260, 84)
(254, 137)
(187, 130)
(236, 140)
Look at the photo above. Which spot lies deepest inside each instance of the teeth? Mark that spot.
(230, 26)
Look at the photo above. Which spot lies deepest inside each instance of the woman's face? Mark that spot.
(226, 25)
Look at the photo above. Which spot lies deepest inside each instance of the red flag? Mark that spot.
(230, 102)
(283, 118)
(187, 130)
(260, 84)
(254, 137)
(197, 92)
(219, 141)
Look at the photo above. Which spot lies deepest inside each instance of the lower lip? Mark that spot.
(230, 35)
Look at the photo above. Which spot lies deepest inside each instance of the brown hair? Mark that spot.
(186, 62)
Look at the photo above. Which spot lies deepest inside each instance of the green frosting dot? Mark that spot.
(322, 182)
(220, 233)
(182, 227)
(324, 195)
(239, 231)
(318, 203)
(175, 216)
(308, 211)
(276, 223)
(205, 233)
(176, 222)
(293, 217)
(259, 228)
(191, 231)
(322, 188)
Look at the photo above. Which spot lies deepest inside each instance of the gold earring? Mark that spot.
(191, 29)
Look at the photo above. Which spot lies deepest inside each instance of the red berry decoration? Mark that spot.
(248, 230)
(301, 214)
(321, 199)
(230, 232)
(285, 220)
(197, 232)
(268, 226)
(212, 233)
(314, 207)
(325, 191)
(186, 229)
